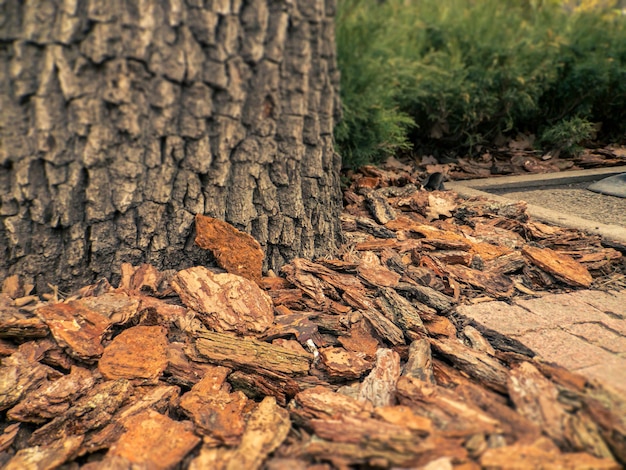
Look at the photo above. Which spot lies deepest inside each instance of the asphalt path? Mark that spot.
(572, 198)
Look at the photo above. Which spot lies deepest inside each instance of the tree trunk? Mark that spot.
(122, 119)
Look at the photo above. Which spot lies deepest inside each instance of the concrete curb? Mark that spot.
(612, 235)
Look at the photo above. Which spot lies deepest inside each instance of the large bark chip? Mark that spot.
(76, 328)
(225, 302)
(560, 265)
(155, 441)
(139, 352)
(235, 251)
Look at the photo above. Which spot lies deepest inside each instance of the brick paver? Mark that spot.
(600, 335)
(583, 331)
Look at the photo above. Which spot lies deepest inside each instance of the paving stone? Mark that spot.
(563, 348)
(612, 304)
(503, 318)
(561, 309)
(600, 335)
(583, 331)
(615, 369)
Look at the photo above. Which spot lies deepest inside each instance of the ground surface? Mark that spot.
(366, 360)
(574, 198)
(583, 331)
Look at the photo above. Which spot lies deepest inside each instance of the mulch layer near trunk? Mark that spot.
(353, 361)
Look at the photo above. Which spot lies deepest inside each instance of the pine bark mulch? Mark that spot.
(354, 361)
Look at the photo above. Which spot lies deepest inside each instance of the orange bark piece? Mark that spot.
(404, 416)
(373, 272)
(218, 414)
(235, 251)
(155, 441)
(225, 302)
(370, 182)
(532, 456)
(75, 327)
(346, 364)
(321, 402)
(489, 251)
(440, 326)
(361, 340)
(138, 352)
(562, 266)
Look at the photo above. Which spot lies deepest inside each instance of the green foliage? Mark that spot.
(568, 134)
(458, 73)
(372, 126)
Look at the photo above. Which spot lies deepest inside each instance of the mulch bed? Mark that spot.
(357, 361)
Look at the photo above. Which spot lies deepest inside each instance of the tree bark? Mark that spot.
(122, 119)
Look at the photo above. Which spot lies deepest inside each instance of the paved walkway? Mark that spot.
(583, 331)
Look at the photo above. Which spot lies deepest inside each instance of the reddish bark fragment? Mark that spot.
(8, 436)
(119, 308)
(182, 369)
(361, 340)
(450, 412)
(266, 429)
(21, 373)
(91, 411)
(53, 398)
(379, 387)
(76, 327)
(536, 398)
(235, 251)
(155, 441)
(498, 285)
(342, 363)
(404, 416)
(320, 402)
(561, 266)
(137, 353)
(225, 302)
(373, 272)
(145, 278)
(527, 456)
(158, 311)
(440, 326)
(48, 456)
(17, 324)
(218, 414)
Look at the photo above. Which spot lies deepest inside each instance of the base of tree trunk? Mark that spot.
(123, 120)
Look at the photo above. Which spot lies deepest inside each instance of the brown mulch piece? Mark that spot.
(357, 361)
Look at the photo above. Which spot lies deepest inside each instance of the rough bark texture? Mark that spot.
(122, 119)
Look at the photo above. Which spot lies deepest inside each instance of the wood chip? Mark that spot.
(53, 398)
(77, 328)
(379, 387)
(237, 352)
(527, 456)
(139, 352)
(93, 410)
(218, 414)
(559, 265)
(346, 364)
(225, 302)
(154, 440)
(20, 373)
(266, 429)
(235, 251)
(47, 456)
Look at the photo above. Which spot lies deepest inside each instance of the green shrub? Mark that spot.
(372, 126)
(459, 73)
(568, 134)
